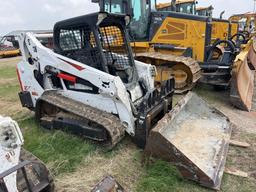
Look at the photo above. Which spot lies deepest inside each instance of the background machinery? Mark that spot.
(173, 42)
(181, 6)
(221, 29)
(19, 169)
(149, 49)
(205, 11)
(246, 23)
(9, 46)
(90, 85)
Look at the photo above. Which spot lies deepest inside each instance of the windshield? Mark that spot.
(7, 41)
(116, 6)
(139, 12)
(139, 22)
(188, 8)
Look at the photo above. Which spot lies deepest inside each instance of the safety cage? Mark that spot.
(104, 48)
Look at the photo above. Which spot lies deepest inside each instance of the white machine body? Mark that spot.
(11, 140)
(113, 97)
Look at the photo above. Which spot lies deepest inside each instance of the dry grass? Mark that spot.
(124, 164)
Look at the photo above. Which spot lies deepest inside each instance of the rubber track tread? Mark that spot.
(110, 122)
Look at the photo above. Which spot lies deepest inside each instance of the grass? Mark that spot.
(8, 72)
(63, 152)
(9, 92)
(159, 177)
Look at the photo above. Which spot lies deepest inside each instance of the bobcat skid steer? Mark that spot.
(86, 88)
(20, 171)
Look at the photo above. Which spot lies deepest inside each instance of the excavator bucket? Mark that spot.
(195, 138)
(242, 83)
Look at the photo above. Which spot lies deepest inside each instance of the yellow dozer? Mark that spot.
(221, 29)
(180, 45)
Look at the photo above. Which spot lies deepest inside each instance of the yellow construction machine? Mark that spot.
(146, 46)
(243, 74)
(246, 23)
(175, 41)
(221, 29)
(9, 46)
(178, 44)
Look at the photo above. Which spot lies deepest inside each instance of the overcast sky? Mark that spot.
(42, 14)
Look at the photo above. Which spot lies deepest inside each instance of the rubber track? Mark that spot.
(110, 122)
(25, 155)
(187, 61)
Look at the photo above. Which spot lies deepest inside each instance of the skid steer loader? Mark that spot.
(87, 88)
(20, 171)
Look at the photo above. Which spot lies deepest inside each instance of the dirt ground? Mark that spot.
(123, 163)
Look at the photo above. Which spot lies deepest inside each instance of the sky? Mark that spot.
(43, 14)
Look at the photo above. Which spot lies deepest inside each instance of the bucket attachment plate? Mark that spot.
(108, 184)
(195, 138)
(242, 83)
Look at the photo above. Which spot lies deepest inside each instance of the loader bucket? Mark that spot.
(242, 82)
(195, 138)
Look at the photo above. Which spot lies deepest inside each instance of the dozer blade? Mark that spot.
(195, 138)
(242, 82)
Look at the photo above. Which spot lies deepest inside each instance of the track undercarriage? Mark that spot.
(57, 111)
(185, 70)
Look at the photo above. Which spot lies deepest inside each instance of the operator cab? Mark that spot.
(181, 6)
(9, 41)
(98, 40)
(140, 28)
